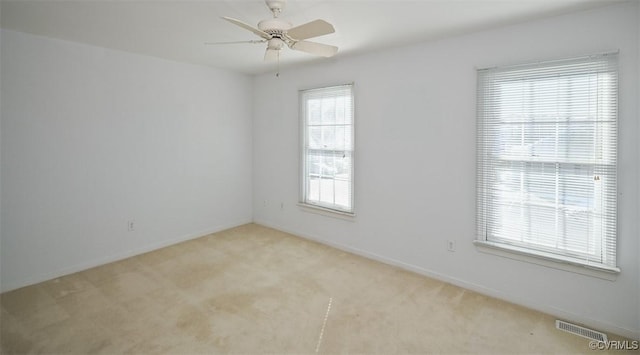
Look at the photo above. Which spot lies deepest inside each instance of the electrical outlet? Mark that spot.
(131, 226)
(264, 203)
(451, 245)
(282, 205)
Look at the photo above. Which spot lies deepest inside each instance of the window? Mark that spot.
(327, 148)
(546, 169)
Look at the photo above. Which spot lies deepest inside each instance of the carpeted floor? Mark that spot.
(252, 289)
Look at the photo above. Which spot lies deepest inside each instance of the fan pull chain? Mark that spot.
(278, 65)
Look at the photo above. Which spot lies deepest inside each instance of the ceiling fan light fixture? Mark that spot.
(275, 44)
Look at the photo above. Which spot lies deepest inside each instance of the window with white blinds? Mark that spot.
(546, 164)
(327, 147)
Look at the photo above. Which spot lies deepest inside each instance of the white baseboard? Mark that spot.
(15, 284)
(528, 303)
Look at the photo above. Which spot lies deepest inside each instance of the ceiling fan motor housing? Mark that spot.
(274, 24)
(275, 27)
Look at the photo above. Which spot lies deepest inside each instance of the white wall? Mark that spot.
(415, 167)
(1, 35)
(92, 138)
(638, 135)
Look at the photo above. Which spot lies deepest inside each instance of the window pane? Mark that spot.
(328, 146)
(547, 147)
(330, 137)
(330, 178)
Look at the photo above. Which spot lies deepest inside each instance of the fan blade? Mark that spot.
(236, 42)
(248, 27)
(320, 49)
(312, 29)
(271, 55)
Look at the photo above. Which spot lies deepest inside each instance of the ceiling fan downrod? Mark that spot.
(276, 6)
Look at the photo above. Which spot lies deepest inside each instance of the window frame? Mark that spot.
(327, 209)
(535, 255)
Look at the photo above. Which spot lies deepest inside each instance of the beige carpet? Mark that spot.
(252, 289)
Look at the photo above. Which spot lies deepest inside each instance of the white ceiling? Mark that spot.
(177, 29)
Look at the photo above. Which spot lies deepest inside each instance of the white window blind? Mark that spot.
(546, 164)
(327, 147)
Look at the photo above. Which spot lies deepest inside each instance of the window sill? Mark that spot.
(548, 260)
(347, 216)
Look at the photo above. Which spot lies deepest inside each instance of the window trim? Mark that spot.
(305, 207)
(322, 209)
(546, 259)
(521, 253)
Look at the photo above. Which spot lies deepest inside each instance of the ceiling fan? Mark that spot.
(277, 33)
